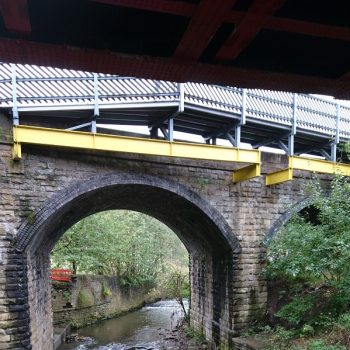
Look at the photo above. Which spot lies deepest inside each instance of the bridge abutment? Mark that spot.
(222, 225)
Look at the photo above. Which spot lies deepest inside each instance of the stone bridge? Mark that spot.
(222, 224)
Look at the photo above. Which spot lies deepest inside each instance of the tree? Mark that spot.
(129, 244)
(320, 251)
(344, 152)
(315, 257)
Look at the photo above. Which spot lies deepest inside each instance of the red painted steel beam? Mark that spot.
(297, 26)
(202, 27)
(16, 16)
(27, 52)
(248, 28)
(185, 9)
(179, 8)
(308, 28)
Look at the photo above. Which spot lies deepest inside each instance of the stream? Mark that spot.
(139, 330)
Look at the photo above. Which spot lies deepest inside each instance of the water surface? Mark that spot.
(137, 330)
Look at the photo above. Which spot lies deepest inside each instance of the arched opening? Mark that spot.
(110, 264)
(204, 232)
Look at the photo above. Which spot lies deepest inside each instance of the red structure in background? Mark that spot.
(62, 275)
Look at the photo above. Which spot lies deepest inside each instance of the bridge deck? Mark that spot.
(74, 100)
(58, 97)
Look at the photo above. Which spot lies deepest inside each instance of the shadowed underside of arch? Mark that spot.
(205, 233)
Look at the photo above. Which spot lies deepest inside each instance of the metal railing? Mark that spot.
(31, 88)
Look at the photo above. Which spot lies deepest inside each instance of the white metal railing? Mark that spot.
(30, 88)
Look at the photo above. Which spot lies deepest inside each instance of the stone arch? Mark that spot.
(285, 217)
(211, 244)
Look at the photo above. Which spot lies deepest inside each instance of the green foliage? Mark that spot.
(203, 182)
(106, 291)
(31, 218)
(66, 294)
(85, 298)
(195, 333)
(344, 151)
(175, 285)
(134, 246)
(317, 255)
(307, 330)
(344, 321)
(281, 339)
(313, 256)
(321, 345)
(316, 252)
(295, 311)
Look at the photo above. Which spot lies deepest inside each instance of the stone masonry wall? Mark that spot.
(222, 308)
(89, 298)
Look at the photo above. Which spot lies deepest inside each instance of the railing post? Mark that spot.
(171, 129)
(294, 127)
(243, 119)
(336, 138)
(15, 114)
(96, 107)
(181, 89)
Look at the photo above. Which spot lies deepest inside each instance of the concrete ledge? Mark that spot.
(59, 336)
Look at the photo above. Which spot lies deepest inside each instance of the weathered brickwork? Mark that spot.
(222, 224)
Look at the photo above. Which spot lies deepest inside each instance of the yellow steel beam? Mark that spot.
(85, 140)
(246, 173)
(319, 166)
(16, 151)
(308, 164)
(279, 176)
(16, 148)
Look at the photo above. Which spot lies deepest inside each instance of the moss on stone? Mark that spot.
(85, 299)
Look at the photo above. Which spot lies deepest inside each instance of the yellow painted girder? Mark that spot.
(279, 176)
(246, 173)
(85, 140)
(319, 166)
(308, 164)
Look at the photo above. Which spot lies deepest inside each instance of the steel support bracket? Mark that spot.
(246, 173)
(279, 176)
(16, 151)
(307, 164)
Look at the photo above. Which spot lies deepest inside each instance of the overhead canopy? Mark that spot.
(294, 45)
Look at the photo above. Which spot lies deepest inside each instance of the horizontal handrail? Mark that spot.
(41, 87)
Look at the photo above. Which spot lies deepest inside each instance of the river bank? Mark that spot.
(88, 299)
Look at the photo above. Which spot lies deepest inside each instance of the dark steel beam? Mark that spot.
(180, 8)
(296, 26)
(271, 140)
(186, 9)
(221, 131)
(312, 148)
(16, 16)
(248, 28)
(308, 28)
(202, 27)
